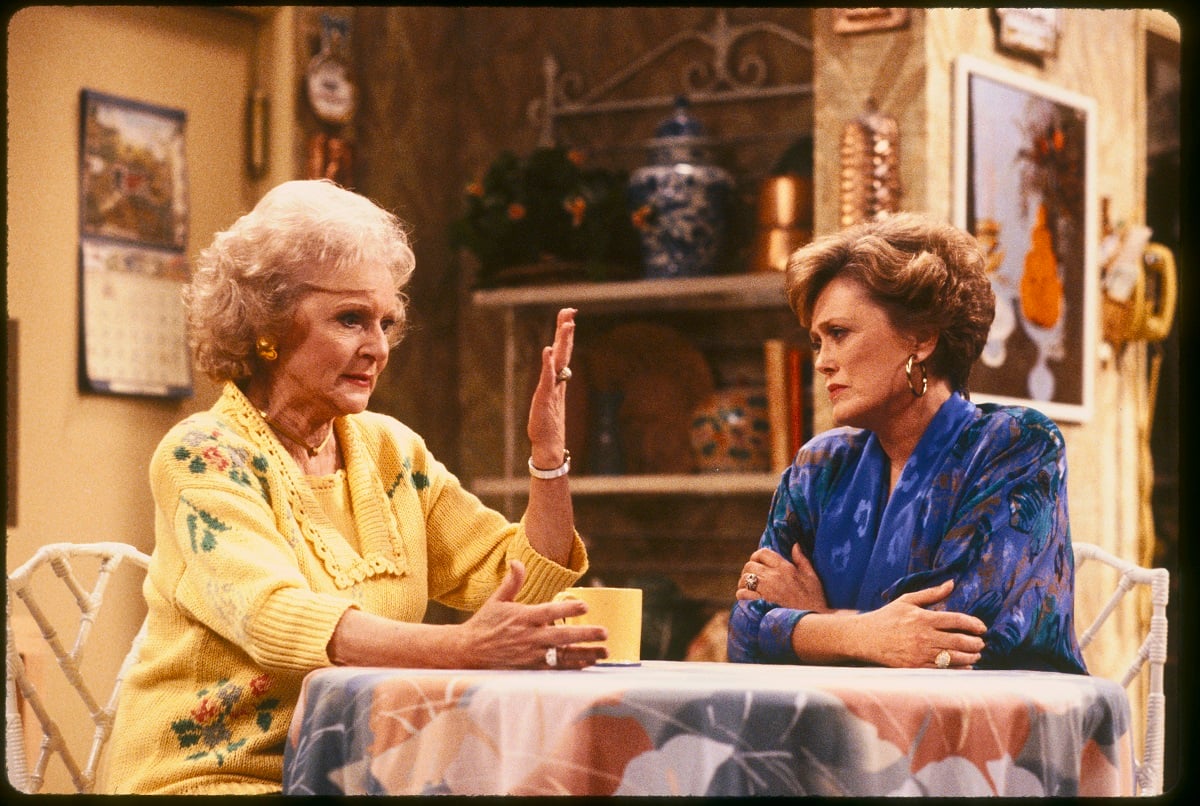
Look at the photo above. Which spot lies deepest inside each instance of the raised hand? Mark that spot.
(547, 411)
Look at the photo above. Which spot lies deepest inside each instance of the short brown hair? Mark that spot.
(926, 274)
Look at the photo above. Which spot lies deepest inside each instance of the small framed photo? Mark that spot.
(1024, 184)
(1028, 31)
(132, 172)
(866, 20)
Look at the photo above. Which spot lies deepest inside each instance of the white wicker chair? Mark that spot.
(60, 557)
(1153, 650)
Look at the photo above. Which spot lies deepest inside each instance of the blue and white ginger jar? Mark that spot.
(680, 201)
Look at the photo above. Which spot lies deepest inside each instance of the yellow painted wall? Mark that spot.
(81, 469)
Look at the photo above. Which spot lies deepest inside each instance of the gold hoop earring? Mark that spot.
(265, 347)
(908, 373)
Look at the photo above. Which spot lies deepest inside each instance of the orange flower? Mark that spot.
(475, 189)
(1059, 137)
(641, 216)
(215, 458)
(576, 207)
(205, 711)
(516, 211)
(260, 685)
(576, 157)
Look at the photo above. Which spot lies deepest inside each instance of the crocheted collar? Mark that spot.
(382, 551)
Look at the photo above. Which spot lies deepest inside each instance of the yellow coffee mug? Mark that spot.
(617, 610)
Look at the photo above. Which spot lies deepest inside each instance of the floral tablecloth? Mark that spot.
(677, 728)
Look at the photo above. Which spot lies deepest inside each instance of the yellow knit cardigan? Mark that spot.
(248, 580)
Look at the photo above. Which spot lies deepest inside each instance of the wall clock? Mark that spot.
(331, 92)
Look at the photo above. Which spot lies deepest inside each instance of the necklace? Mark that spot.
(291, 435)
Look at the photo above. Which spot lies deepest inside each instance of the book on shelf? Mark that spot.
(775, 367)
(788, 370)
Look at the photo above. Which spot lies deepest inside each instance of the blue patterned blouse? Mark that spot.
(982, 500)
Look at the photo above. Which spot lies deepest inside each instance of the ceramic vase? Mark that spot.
(680, 200)
(604, 445)
(730, 431)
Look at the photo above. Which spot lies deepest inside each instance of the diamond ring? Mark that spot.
(943, 659)
(552, 656)
(564, 374)
(752, 582)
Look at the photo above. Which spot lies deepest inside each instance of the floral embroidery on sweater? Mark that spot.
(222, 711)
(202, 452)
(418, 480)
(203, 527)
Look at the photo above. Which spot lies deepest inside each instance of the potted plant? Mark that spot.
(547, 217)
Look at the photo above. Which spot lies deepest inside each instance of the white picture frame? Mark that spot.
(1025, 155)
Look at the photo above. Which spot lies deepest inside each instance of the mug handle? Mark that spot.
(564, 596)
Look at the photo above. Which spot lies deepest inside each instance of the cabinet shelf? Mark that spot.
(663, 484)
(737, 291)
(757, 291)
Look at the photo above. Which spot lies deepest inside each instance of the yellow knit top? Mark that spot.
(249, 577)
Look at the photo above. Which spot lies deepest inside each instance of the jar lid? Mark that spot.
(680, 138)
(681, 123)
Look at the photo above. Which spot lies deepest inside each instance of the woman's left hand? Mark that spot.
(547, 412)
(505, 634)
(789, 584)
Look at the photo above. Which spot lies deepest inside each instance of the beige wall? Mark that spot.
(81, 455)
(81, 470)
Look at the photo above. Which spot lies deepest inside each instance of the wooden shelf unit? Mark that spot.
(719, 293)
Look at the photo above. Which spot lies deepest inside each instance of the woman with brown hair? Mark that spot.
(926, 531)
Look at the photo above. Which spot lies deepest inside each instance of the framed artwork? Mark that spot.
(133, 176)
(1024, 183)
(133, 222)
(1028, 31)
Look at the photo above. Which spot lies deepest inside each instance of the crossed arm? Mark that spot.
(902, 633)
(994, 588)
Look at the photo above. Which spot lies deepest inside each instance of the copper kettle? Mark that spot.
(785, 221)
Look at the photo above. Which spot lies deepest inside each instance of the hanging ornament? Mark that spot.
(870, 174)
(330, 90)
(333, 98)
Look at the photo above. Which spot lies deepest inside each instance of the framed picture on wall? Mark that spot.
(1024, 184)
(132, 171)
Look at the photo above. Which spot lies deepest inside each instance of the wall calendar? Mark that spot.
(135, 334)
(133, 223)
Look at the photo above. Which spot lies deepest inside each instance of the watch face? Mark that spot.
(330, 90)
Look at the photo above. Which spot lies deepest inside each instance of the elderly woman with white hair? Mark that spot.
(295, 529)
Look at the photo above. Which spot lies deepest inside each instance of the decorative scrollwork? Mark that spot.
(711, 80)
(570, 87)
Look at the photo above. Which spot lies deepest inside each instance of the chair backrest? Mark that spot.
(63, 559)
(1152, 651)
